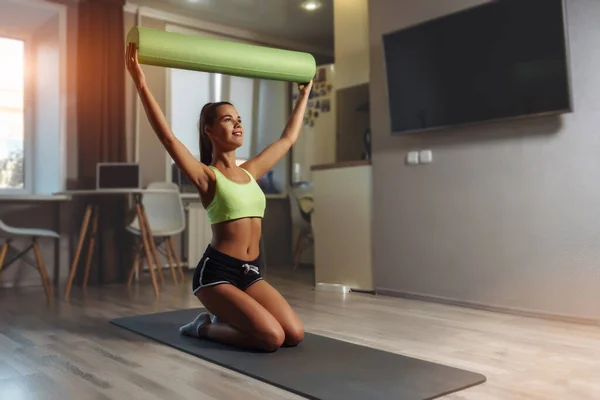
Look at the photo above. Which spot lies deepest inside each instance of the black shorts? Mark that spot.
(216, 268)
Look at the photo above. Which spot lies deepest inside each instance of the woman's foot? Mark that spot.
(193, 328)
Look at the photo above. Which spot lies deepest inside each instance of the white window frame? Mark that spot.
(28, 122)
(29, 106)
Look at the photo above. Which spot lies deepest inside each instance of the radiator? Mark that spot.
(199, 233)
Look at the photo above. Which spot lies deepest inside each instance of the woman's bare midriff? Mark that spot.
(239, 238)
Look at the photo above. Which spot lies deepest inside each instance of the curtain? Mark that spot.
(101, 127)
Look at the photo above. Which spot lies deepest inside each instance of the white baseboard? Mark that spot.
(488, 307)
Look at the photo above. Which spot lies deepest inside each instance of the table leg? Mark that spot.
(144, 233)
(57, 226)
(82, 235)
(91, 247)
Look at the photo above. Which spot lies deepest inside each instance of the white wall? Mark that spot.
(271, 119)
(508, 214)
(47, 175)
(351, 38)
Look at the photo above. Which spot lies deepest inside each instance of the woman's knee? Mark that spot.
(272, 337)
(294, 335)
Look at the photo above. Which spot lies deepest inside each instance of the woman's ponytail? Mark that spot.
(207, 117)
(206, 149)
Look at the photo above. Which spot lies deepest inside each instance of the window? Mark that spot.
(185, 104)
(31, 145)
(33, 102)
(12, 114)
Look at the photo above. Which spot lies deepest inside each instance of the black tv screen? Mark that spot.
(501, 60)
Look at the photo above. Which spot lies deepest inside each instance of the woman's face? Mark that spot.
(226, 132)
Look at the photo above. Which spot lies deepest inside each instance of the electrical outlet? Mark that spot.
(425, 157)
(412, 158)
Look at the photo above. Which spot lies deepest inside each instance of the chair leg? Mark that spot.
(82, 235)
(171, 262)
(151, 245)
(157, 260)
(176, 257)
(3, 252)
(42, 269)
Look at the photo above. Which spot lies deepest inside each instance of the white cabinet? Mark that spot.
(341, 223)
(199, 233)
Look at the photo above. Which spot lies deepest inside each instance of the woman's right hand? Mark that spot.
(134, 68)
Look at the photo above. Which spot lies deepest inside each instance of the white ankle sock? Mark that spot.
(192, 328)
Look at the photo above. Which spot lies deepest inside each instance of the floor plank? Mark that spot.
(68, 350)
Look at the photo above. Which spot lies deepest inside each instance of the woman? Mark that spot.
(251, 313)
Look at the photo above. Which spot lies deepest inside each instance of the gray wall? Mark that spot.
(508, 214)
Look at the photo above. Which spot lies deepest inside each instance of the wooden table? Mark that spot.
(92, 213)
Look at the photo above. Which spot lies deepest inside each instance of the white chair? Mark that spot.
(9, 233)
(166, 217)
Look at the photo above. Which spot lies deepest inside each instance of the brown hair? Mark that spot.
(207, 117)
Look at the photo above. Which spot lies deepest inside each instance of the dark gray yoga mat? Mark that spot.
(319, 368)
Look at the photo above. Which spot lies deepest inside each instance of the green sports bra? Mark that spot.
(234, 200)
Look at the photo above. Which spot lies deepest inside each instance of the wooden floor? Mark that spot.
(70, 351)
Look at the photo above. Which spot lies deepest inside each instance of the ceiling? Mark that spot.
(282, 19)
(18, 18)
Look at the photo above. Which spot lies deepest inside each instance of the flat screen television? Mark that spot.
(501, 60)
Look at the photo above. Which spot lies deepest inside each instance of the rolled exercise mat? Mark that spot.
(176, 50)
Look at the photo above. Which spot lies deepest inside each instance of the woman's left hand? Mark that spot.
(305, 88)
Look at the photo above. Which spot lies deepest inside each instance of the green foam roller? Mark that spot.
(176, 50)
